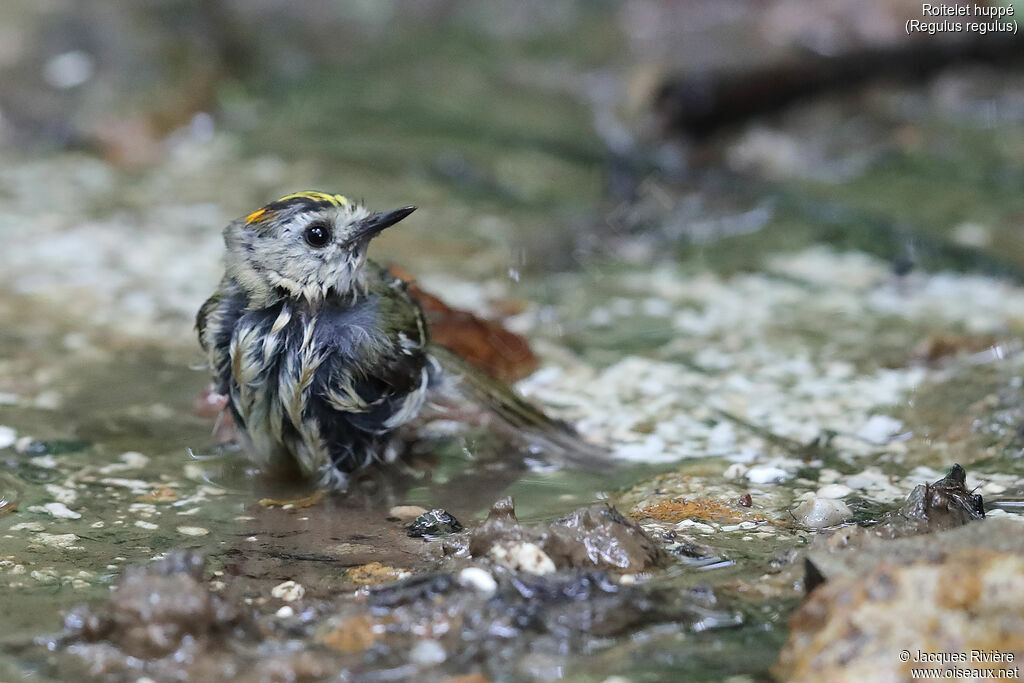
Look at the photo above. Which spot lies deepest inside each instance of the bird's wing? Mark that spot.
(545, 436)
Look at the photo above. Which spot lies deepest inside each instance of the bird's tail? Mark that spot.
(547, 437)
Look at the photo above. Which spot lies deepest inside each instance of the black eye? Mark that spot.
(317, 235)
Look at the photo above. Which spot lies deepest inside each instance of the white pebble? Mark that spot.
(406, 512)
(834, 491)
(193, 530)
(58, 540)
(763, 474)
(289, 591)
(69, 69)
(735, 471)
(478, 579)
(527, 557)
(427, 652)
(23, 444)
(650, 450)
(694, 525)
(285, 612)
(879, 429)
(142, 524)
(62, 494)
(133, 459)
(61, 511)
(8, 437)
(822, 512)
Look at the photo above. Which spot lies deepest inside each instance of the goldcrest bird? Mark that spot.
(324, 355)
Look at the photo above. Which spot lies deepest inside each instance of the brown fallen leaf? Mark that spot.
(353, 634)
(294, 503)
(372, 573)
(485, 344)
(161, 494)
(939, 346)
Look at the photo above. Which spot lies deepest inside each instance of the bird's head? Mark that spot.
(304, 245)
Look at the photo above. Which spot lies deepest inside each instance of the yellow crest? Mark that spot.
(335, 199)
(266, 212)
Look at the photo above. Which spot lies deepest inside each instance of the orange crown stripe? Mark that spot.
(257, 216)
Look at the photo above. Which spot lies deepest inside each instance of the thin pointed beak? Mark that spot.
(373, 225)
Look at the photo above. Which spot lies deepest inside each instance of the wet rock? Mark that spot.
(434, 524)
(289, 591)
(427, 652)
(820, 513)
(558, 613)
(946, 504)
(598, 536)
(478, 579)
(906, 532)
(412, 590)
(520, 556)
(156, 610)
(946, 590)
(764, 474)
(601, 536)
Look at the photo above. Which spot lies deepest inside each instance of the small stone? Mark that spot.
(58, 540)
(527, 557)
(289, 591)
(48, 400)
(694, 525)
(142, 524)
(62, 494)
(133, 459)
(8, 437)
(61, 511)
(879, 429)
(434, 524)
(193, 530)
(427, 652)
(763, 474)
(478, 579)
(834, 491)
(406, 512)
(736, 470)
(819, 513)
(69, 69)
(27, 445)
(285, 612)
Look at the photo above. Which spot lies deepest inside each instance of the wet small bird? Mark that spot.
(323, 354)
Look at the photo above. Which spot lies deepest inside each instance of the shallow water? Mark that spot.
(746, 327)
